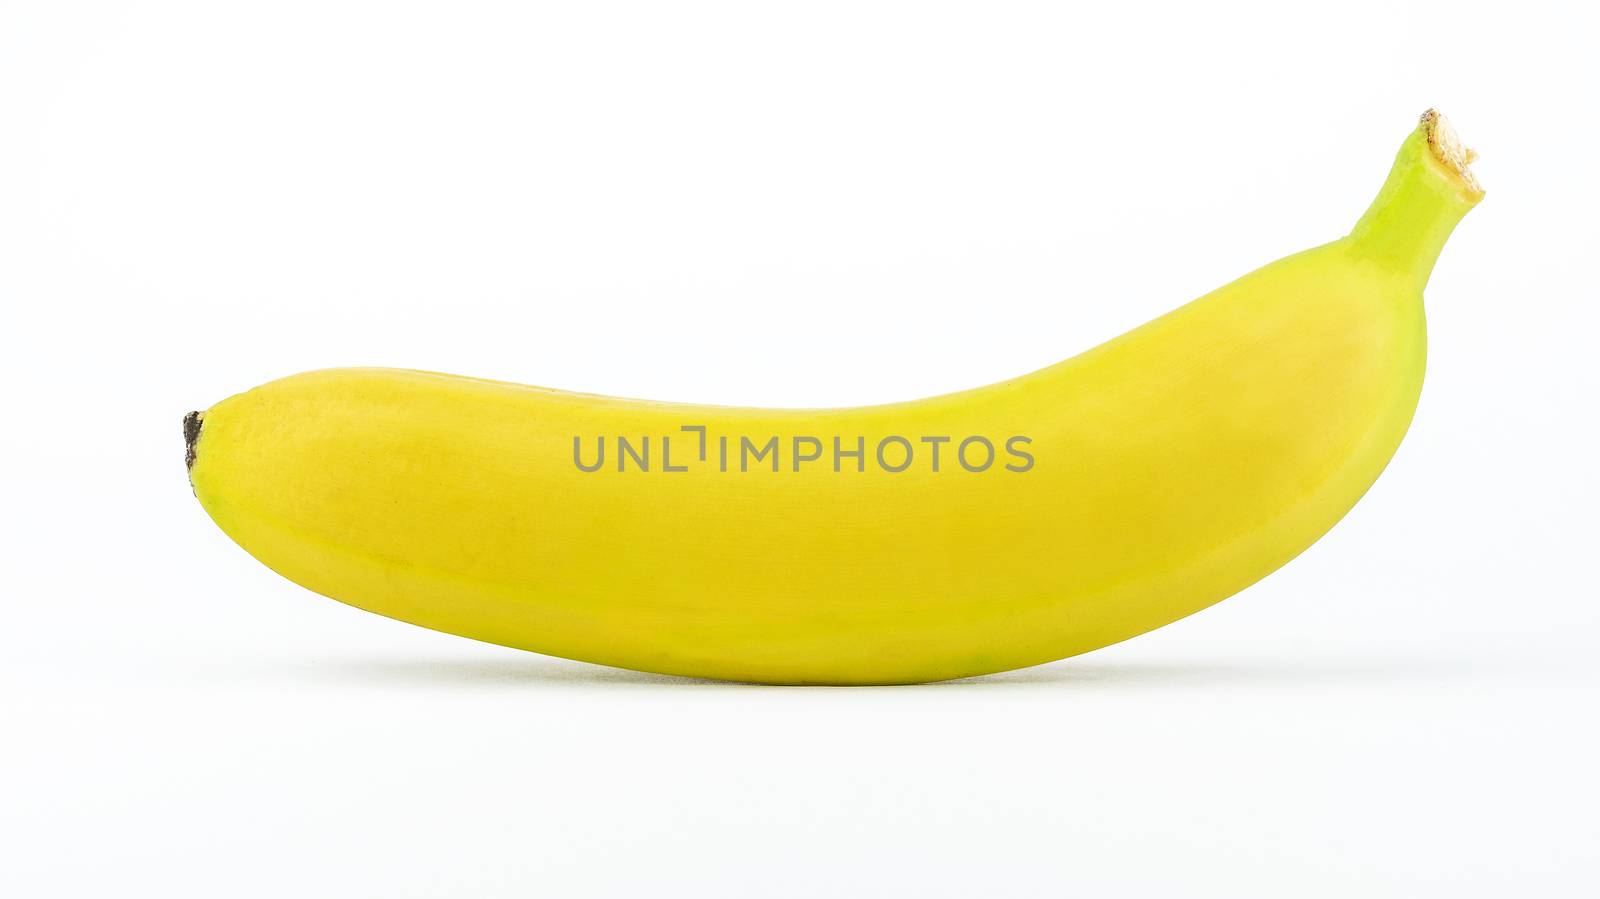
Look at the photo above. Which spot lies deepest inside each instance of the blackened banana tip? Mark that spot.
(191, 436)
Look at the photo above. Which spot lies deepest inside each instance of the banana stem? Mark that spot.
(1429, 189)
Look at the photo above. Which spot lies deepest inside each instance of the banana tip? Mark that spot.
(191, 436)
(1449, 150)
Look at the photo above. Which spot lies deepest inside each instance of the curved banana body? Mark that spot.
(969, 533)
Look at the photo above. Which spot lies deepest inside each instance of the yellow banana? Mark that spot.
(975, 532)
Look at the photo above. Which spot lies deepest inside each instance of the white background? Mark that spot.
(779, 205)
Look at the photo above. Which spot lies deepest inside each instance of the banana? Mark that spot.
(975, 532)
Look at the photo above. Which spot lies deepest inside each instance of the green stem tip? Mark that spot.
(1429, 189)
